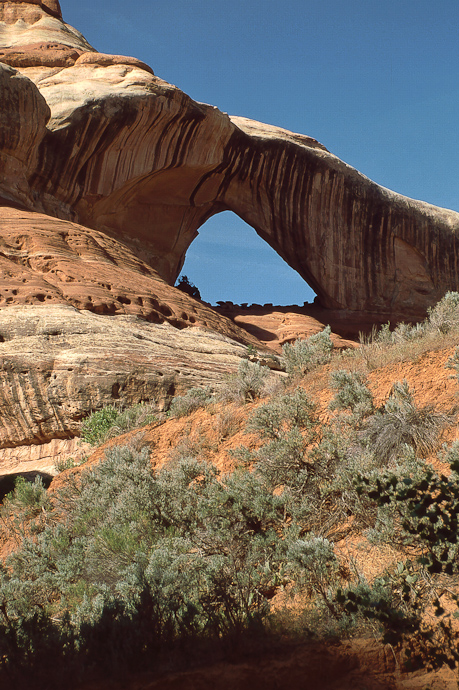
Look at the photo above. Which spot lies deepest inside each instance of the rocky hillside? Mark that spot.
(200, 428)
(287, 471)
(107, 173)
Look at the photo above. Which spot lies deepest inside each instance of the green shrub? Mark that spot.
(25, 510)
(425, 507)
(133, 417)
(407, 341)
(421, 521)
(444, 317)
(246, 385)
(95, 428)
(29, 497)
(65, 464)
(140, 561)
(315, 465)
(183, 405)
(317, 569)
(352, 393)
(289, 422)
(110, 421)
(69, 463)
(283, 461)
(402, 333)
(304, 355)
(283, 412)
(311, 463)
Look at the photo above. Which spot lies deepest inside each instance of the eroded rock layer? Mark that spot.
(59, 364)
(135, 158)
(44, 260)
(106, 174)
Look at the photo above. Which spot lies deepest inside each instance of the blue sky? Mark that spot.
(375, 82)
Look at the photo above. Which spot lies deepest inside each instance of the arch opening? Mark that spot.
(228, 261)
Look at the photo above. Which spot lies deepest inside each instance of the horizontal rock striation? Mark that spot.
(59, 364)
(59, 361)
(44, 458)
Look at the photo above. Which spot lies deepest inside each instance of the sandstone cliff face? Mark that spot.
(59, 364)
(44, 260)
(106, 174)
(133, 157)
(63, 349)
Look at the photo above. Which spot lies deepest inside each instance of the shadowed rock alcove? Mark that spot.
(8, 481)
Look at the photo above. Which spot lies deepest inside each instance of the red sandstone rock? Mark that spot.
(104, 60)
(40, 54)
(59, 362)
(106, 174)
(50, 6)
(135, 158)
(104, 164)
(49, 261)
(275, 326)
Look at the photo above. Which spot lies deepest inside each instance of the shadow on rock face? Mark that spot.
(8, 481)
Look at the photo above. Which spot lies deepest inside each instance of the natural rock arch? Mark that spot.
(228, 261)
(101, 141)
(107, 173)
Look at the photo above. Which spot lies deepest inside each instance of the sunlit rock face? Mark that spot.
(106, 175)
(84, 323)
(133, 157)
(60, 363)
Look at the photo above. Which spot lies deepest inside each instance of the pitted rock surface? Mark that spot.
(44, 260)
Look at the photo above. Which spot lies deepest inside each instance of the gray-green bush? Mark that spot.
(444, 316)
(246, 385)
(138, 560)
(27, 507)
(183, 405)
(352, 393)
(403, 422)
(441, 319)
(111, 421)
(304, 355)
(289, 424)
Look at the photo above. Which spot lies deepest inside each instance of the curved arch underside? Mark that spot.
(99, 140)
